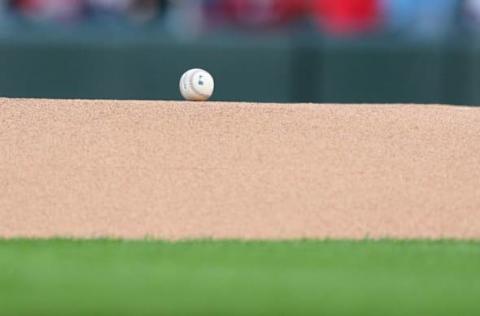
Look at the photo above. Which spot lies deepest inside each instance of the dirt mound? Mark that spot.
(237, 170)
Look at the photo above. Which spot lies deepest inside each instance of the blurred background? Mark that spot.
(422, 51)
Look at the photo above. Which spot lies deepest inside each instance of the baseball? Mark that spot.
(196, 85)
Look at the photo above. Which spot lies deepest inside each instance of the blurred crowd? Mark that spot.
(422, 18)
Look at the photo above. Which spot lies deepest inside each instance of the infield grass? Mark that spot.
(105, 277)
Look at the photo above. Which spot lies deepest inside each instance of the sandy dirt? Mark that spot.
(178, 170)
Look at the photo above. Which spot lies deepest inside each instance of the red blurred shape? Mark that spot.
(347, 16)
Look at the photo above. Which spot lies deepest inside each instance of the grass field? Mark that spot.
(62, 277)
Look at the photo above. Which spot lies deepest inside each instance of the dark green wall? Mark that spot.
(260, 68)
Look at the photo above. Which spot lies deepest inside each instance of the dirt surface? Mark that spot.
(179, 170)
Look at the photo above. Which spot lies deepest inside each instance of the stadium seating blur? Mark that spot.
(413, 18)
(343, 51)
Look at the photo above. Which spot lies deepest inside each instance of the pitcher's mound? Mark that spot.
(228, 170)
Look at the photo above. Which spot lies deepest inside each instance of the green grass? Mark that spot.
(61, 277)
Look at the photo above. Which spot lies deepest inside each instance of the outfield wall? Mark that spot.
(270, 69)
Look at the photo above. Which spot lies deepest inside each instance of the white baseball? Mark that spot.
(196, 85)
